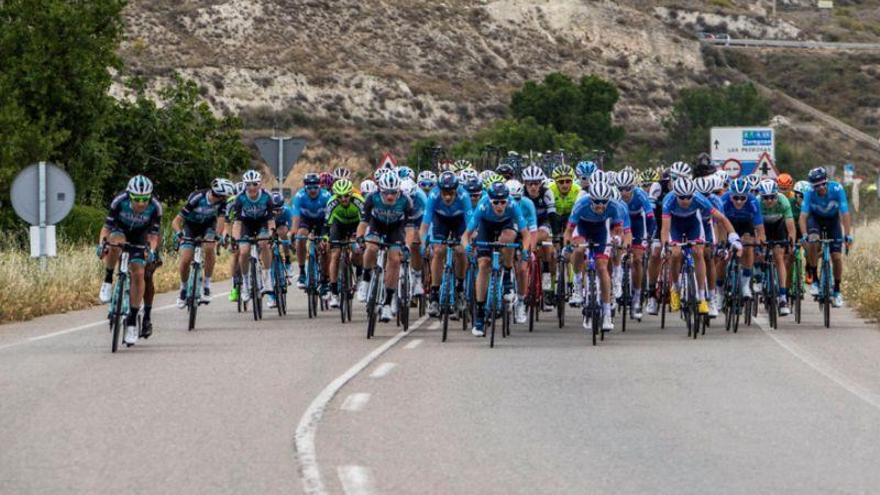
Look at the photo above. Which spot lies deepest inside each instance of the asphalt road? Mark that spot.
(295, 405)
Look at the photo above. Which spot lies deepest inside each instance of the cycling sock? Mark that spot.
(481, 310)
(147, 308)
(207, 282)
(435, 294)
(746, 275)
(358, 271)
(368, 274)
(302, 269)
(334, 289)
(783, 291)
(389, 296)
(183, 286)
(108, 275)
(606, 307)
(836, 285)
(506, 278)
(131, 320)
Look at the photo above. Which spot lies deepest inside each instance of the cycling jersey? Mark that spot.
(529, 213)
(491, 225)
(284, 216)
(136, 226)
(641, 214)
(419, 201)
(230, 212)
(544, 203)
(596, 227)
(565, 203)
(257, 210)
(778, 212)
(336, 212)
(831, 204)
(399, 212)
(686, 222)
(446, 219)
(199, 210)
(310, 208)
(709, 223)
(749, 212)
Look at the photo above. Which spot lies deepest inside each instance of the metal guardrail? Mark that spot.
(825, 45)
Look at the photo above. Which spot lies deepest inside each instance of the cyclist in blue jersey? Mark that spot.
(744, 213)
(496, 219)
(641, 216)
(683, 213)
(254, 219)
(657, 192)
(530, 215)
(823, 210)
(309, 210)
(706, 186)
(545, 215)
(446, 216)
(135, 217)
(474, 188)
(203, 216)
(283, 222)
(419, 200)
(389, 215)
(595, 219)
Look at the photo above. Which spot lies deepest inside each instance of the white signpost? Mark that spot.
(744, 150)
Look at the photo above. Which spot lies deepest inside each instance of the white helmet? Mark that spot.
(239, 187)
(341, 173)
(533, 173)
(427, 176)
(600, 191)
(599, 176)
(719, 182)
(705, 184)
(252, 176)
(368, 187)
(722, 174)
(684, 186)
(222, 187)
(680, 169)
(407, 186)
(515, 187)
(626, 178)
(389, 182)
(753, 181)
(768, 187)
(140, 185)
(485, 174)
(611, 177)
(468, 174)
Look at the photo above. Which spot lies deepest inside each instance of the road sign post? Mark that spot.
(42, 195)
(280, 153)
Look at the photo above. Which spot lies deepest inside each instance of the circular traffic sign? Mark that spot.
(25, 194)
(733, 168)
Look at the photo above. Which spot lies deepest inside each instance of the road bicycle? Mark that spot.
(120, 301)
(826, 279)
(688, 290)
(796, 285)
(625, 301)
(496, 306)
(591, 309)
(344, 279)
(279, 277)
(313, 296)
(376, 287)
(255, 278)
(404, 289)
(733, 300)
(446, 297)
(534, 299)
(195, 280)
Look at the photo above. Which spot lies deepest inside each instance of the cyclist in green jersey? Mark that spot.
(340, 223)
(778, 226)
(565, 193)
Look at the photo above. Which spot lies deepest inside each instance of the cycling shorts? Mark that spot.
(196, 230)
(683, 229)
(342, 231)
(826, 227)
(743, 227)
(776, 231)
(137, 237)
(489, 232)
(312, 225)
(446, 227)
(251, 229)
(595, 232)
(393, 233)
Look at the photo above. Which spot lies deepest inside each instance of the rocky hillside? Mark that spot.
(402, 64)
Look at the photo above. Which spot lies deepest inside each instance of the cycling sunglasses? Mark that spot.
(686, 197)
(390, 192)
(769, 197)
(252, 184)
(563, 181)
(625, 189)
(140, 198)
(821, 184)
(312, 188)
(497, 202)
(600, 202)
(739, 197)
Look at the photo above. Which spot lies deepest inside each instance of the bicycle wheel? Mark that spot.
(594, 320)
(560, 293)
(773, 298)
(372, 305)
(403, 296)
(797, 287)
(826, 293)
(342, 284)
(116, 315)
(490, 307)
(236, 283)
(662, 293)
(696, 317)
(625, 303)
(255, 291)
(192, 288)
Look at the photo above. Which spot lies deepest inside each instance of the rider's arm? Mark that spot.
(569, 231)
(759, 233)
(802, 220)
(177, 224)
(665, 222)
(236, 230)
(846, 219)
(723, 221)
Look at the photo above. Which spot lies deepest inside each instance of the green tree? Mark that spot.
(697, 110)
(54, 78)
(178, 143)
(583, 108)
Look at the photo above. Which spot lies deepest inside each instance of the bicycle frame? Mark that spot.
(495, 291)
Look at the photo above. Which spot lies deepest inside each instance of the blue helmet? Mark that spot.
(403, 172)
(498, 190)
(278, 199)
(818, 175)
(585, 169)
(473, 185)
(312, 179)
(448, 181)
(740, 186)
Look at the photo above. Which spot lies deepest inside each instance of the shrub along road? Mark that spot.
(238, 406)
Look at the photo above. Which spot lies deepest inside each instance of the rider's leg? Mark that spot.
(438, 261)
(301, 255)
(700, 271)
(334, 267)
(392, 273)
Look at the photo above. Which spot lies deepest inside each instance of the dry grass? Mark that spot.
(861, 278)
(70, 282)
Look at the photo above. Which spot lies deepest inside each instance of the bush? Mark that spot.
(82, 225)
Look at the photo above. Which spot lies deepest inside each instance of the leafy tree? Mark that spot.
(697, 110)
(583, 108)
(54, 79)
(178, 143)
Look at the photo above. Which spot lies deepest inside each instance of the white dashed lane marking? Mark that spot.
(355, 402)
(382, 370)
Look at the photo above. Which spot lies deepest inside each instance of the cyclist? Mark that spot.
(823, 210)
(340, 173)
(135, 217)
(343, 215)
(778, 226)
(389, 215)
(254, 219)
(309, 210)
(529, 213)
(496, 219)
(233, 247)
(658, 192)
(427, 181)
(419, 200)
(326, 181)
(283, 222)
(367, 187)
(707, 185)
(546, 217)
(641, 216)
(683, 212)
(786, 185)
(595, 219)
(744, 213)
(446, 216)
(203, 216)
(474, 188)
(584, 170)
(505, 170)
(565, 194)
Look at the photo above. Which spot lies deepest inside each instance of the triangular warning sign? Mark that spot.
(388, 161)
(765, 168)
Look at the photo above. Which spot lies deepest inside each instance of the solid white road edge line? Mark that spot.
(818, 365)
(356, 480)
(304, 439)
(86, 326)
(382, 370)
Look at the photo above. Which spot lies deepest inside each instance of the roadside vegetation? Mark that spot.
(861, 278)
